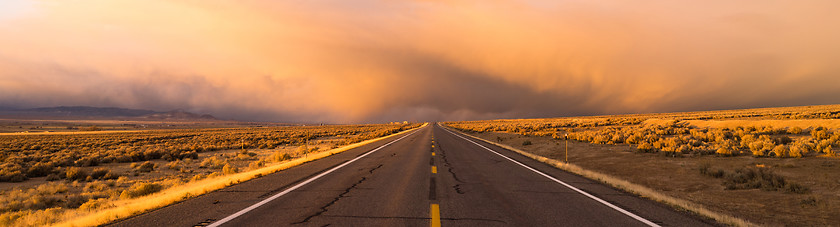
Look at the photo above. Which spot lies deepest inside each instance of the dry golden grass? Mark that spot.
(132, 207)
(801, 123)
(627, 186)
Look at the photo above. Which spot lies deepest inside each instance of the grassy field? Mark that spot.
(773, 166)
(51, 178)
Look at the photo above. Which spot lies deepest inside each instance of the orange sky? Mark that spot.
(378, 61)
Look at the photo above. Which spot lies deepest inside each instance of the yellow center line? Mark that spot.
(434, 169)
(435, 213)
(433, 153)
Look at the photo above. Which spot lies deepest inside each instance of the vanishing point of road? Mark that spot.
(429, 177)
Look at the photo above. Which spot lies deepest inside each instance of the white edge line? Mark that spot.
(632, 215)
(284, 192)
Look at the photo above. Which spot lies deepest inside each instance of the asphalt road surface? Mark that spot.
(430, 177)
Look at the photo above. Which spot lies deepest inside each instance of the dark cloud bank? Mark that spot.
(424, 61)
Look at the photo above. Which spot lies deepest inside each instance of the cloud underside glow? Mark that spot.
(379, 61)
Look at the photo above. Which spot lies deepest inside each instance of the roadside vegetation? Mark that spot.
(678, 134)
(788, 154)
(45, 179)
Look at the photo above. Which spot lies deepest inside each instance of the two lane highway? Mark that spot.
(430, 177)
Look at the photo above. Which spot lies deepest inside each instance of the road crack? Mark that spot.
(343, 194)
(450, 169)
(284, 187)
(474, 219)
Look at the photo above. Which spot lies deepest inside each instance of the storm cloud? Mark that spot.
(379, 61)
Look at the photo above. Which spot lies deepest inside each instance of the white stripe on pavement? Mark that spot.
(632, 215)
(284, 192)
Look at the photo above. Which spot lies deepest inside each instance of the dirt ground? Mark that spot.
(680, 177)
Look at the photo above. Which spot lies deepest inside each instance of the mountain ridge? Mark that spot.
(104, 112)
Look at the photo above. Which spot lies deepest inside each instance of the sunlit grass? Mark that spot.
(130, 207)
(800, 123)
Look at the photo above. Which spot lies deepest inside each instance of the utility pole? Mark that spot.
(567, 147)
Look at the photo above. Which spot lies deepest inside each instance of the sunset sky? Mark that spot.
(420, 60)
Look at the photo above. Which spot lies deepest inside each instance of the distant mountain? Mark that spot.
(103, 112)
(87, 111)
(179, 114)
